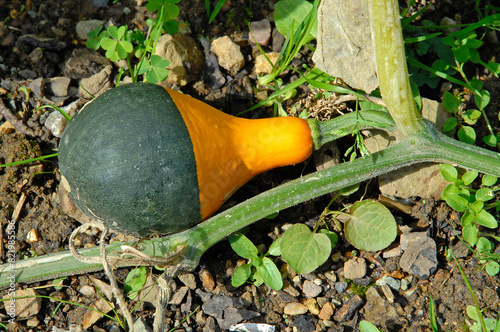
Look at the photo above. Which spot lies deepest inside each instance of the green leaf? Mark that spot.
(135, 281)
(484, 194)
(450, 102)
(270, 274)
(303, 250)
(331, 235)
(467, 218)
(275, 248)
(492, 268)
(455, 199)
(448, 172)
(467, 134)
(477, 206)
(483, 245)
(371, 227)
(490, 140)
(471, 116)
(289, 14)
(485, 219)
(243, 246)
(241, 275)
(469, 177)
(366, 326)
(489, 180)
(482, 100)
(470, 234)
(449, 125)
(108, 44)
(472, 313)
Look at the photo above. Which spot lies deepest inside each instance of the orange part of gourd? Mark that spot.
(229, 151)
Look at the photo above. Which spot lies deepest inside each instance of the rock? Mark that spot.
(326, 312)
(278, 40)
(179, 295)
(186, 306)
(377, 310)
(84, 62)
(210, 325)
(91, 316)
(28, 43)
(56, 123)
(86, 26)
(311, 289)
(186, 59)
(87, 290)
(58, 86)
(141, 326)
(304, 324)
(420, 256)
(460, 250)
(233, 316)
(207, 280)
(355, 268)
(341, 286)
(96, 84)
(260, 32)
(32, 322)
(23, 308)
(349, 309)
(312, 305)
(188, 279)
(211, 73)
(262, 66)
(389, 281)
(362, 281)
(295, 309)
(227, 310)
(228, 54)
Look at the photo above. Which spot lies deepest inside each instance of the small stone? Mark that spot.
(389, 281)
(7, 128)
(311, 289)
(228, 54)
(207, 280)
(349, 309)
(377, 310)
(84, 27)
(96, 84)
(26, 307)
(56, 123)
(327, 311)
(304, 324)
(405, 283)
(179, 295)
(58, 86)
(355, 268)
(91, 316)
(84, 62)
(141, 326)
(260, 32)
(278, 40)
(210, 325)
(295, 309)
(87, 290)
(362, 281)
(32, 322)
(262, 66)
(32, 236)
(291, 290)
(188, 279)
(388, 293)
(420, 254)
(312, 305)
(341, 286)
(330, 275)
(395, 252)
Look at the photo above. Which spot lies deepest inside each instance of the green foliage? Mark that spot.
(371, 226)
(260, 268)
(489, 323)
(120, 43)
(462, 197)
(289, 15)
(135, 281)
(366, 326)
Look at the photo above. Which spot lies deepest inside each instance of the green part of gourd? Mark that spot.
(129, 162)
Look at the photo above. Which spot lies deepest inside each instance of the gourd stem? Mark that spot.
(429, 145)
(392, 69)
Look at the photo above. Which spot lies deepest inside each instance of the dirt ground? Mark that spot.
(43, 228)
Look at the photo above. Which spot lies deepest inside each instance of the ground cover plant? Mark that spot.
(181, 243)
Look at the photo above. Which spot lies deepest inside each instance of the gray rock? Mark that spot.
(278, 40)
(355, 268)
(260, 32)
(58, 86)
(28, 43)
(96, 84)
(141, 326)
(420, 255)
(210, 325)
(377, 310)
(233, 316)
(341, 286)
(311, 289)
(188, 279)
(304, 324)
(349, 309)
(228, 54)
(84, 27)
(84, 62)
(389, 281)
(227, 310)
(179, 295)
(362, 281)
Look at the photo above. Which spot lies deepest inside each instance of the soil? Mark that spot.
(43, 228)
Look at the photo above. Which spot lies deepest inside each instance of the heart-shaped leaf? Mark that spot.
(269, 272)
(303, 250)
(371, 227)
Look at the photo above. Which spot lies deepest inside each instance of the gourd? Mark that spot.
(144, 159)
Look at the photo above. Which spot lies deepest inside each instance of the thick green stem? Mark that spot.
(392, 69)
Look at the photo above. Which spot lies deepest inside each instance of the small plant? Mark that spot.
(474, 203)
(135, 281)
(490, 323)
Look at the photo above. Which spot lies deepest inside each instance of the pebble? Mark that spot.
(228, 54)
(304, 324)
(349, 309)
(311, 289)
(87, 290)
(141, 326)
(207, 280)
(377, 310)
(420, 254)
(389, 281)
(262, 66)
(32, 322)
(278, 40)
(312, 305)
(331, 276)
(326, 312)
(294, 309)
(355, 268)
(26, 307)
(91, 316)
(211, 73)
(96, 84)
(260, 32)
(188, 279)
(86, 26)
(405, 282)
(341, 286)
(362, 281)
(179, 295)
(56, 123)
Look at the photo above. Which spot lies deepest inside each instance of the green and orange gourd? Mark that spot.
(143, 159)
